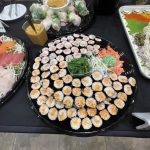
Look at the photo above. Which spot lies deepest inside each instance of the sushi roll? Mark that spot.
(50, 102)
(113, 76)
(80, 102)
(86, 81)
(68, 45)
(87, 91)
(45, 67)
(76, 82)
(35, 72)
(92, 112)
(45, 49)
(92, 37)
(96, 47)
(122, 96)
(76, 91)
(50, 44)
(69, 58)
(85, 38)
(82, 113)
(132, 81)
(100, 96)
(83, 44)
(72, 112)
(86, 123)
(75, 43)
(77, 55)
(57, 41)
(60, 58)
(59, 96)
(36, 65)
(128, 89)
(91, 102)
(97, 86)
(113, 110)
(59, 105)
(44, 53)
(70, 38)
(62, 73)
(90, 48)
(58, 84)
(119, 103)
(100, 106)
(45, 74)
(67, 51)
(59, 46)
(76, 35)
(41, 100)
(53, 114)
(59, 51)
(50, 91)
(83, 50)
(53, 62)
(110, 92)
(62, 115)
(123, 79)
(91, 42)
(54, 69)
(107, 100)
(117, 86)
(52, 56)
(35, 79)
(34, 94)
(43, 91)
(104, 114)
(97, 76)
(106, 81)
(78, 40)
(45, 83)
(75, 123)
(37, 59)
(67, 90)
(36, 86)
(68, 101)
(67, 79)
(55, 76)
(75, 49)
(98, 39)
(52, 48)
(63, 39)
(97, 121)
(43, 109)
(63, 64)
(45, 60)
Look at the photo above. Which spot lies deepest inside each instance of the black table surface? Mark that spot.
(17, 116)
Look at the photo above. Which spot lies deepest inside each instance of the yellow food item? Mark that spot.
(56, 3)
(39, 37)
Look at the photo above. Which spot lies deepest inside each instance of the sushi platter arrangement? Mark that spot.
(81, 84)
(13, 65)
(60, 17)
(136, 22)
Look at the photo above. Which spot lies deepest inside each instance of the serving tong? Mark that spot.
(11, 7)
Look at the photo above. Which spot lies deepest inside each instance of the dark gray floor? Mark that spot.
(12, 141)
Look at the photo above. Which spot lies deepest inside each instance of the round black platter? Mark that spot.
(65, 125)
(22, 76)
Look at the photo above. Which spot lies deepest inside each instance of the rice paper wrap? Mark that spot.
(56, 24)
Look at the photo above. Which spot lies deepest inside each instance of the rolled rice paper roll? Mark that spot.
(47, 22)
(63, 16)
(56, 24)
(50, 13)
(75, 19)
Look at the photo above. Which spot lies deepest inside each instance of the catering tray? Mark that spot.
(65, 125)
(134, 47)
(22, 76)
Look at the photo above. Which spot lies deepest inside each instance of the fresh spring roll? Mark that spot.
(47, 22)
(63, 17)
(56, 24)
(75, 19)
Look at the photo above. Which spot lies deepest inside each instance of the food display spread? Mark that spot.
(79, 82)
(12, 63)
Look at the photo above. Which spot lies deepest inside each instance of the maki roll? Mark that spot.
(91, 42)
(117, 86)
(72, 112)
(106, 81)
(62, 73)
(110, 92)
(50, 91)
(43, 91)
(37, 59)
(100, 96)
(45, 60)
(68, 45)
(35, 72)
(75, 49)
(86, 81)
(122, 96)
(97, 86)
(43, 109)
(75, 123)
(86, 123)
(67, 90)
(70, 37)
(80, 102)
(87, 91)
(36, 86)
(58, 96)
(76, 91)
(55, 76)
(50, 102)
(83, 50)
(67, 51)
(113, 110)
(41, 100)
(128, 89)
(83, 44)
(69, 58)
(104, 114)
(77, 55)
(59, 51)
(100, 106)
(92, 112)
(54, 69)
(91, 102)
(62, 115)
(34, 94)
(90, 48)
(97, 76)
(86, 38)
(60, 58)
(119, 103)
(97, 121)
(63, 64)
(92, 37)
(123, 79)
(67, 79)
(58, 84)
(45, 67)
(59, 46)
(45, 74)
(36, 65)
(82, 113)
(68, 101)
(35, 79)
(113, 76)
(59, 105)
(53, 114)
(45, 83)
(53, 62)
(132, 81)
(76, 83)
